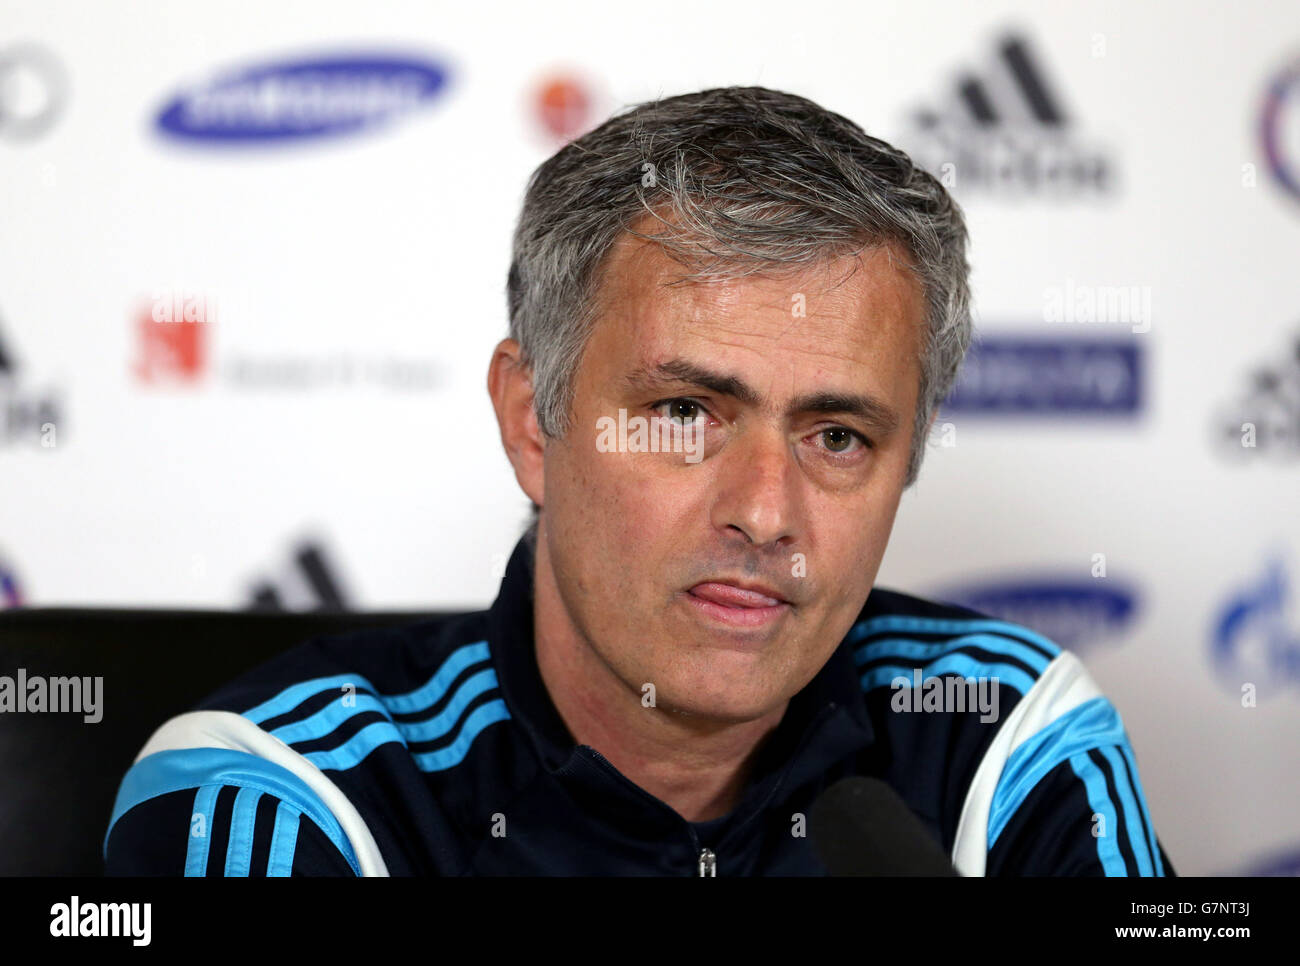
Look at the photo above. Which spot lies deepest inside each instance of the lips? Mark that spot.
(729, 595)
(739, 608)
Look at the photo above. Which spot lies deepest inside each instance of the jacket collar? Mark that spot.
(823, 723)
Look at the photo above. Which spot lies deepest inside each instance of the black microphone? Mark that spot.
(860, 826)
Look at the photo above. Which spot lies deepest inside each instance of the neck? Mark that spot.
(698, 766)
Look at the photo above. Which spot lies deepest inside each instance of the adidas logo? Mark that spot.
(27, 417)
(309, 583)
(1265, 419)
(6, 363)
(1004, 129)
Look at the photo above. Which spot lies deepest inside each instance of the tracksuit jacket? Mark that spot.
(435, 749)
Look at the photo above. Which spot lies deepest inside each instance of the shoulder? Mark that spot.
(384, 660)
(976, 674)
(899, 632)
(303, 736)
(979, 714)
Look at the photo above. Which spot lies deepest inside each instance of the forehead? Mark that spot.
(853, 321)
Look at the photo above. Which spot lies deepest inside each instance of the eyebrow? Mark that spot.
(863, 405)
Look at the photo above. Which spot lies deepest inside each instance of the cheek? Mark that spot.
(602, 510)
(872, 549)
(854, 553)
(630, 496)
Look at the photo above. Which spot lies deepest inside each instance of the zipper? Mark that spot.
(803, 743)
(707, 860)
(708, 863)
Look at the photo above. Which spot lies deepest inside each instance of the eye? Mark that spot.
(839, 439)
(681, 409)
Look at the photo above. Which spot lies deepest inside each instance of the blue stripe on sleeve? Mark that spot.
(425, 696)
(962, 664)
(480, 718)
(1099, 801)
(1131, 760)
(284, 841)
(291, 697)
(327, 719)
(336, 712)
(930, 625)
(196, 852)
(170, 771)
(430, 693)
(353, 751)
(905, 647)
(1132, 819)
(441, 724)
(1092, 724)
(239, 848)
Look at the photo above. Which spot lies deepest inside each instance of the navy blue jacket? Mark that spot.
(434, 749)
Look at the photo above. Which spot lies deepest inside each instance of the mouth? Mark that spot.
(734, 605)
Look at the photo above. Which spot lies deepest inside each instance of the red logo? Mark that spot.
(563, 105)
(173, 332)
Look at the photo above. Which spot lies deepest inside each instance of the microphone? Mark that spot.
(860, 826)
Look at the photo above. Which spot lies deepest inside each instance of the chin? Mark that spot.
(720, 703)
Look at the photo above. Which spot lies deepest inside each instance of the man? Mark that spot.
(732, 316)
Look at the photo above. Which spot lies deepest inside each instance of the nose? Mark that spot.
(757, 491)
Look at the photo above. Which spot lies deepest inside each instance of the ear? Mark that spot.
(510, 384)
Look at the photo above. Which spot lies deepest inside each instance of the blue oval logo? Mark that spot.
(1073, 613)
(318, 97)
(1282, 864)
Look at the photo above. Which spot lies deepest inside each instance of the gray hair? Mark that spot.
(744, 180)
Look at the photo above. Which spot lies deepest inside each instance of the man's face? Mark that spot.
(785, 378)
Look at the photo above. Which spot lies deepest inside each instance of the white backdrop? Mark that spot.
(353, 285)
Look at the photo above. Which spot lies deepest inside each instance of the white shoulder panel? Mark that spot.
(224, 729)
(1063, 686)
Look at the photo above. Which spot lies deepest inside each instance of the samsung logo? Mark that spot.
(1072, 613)
(311, 98)
(1283, 864)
